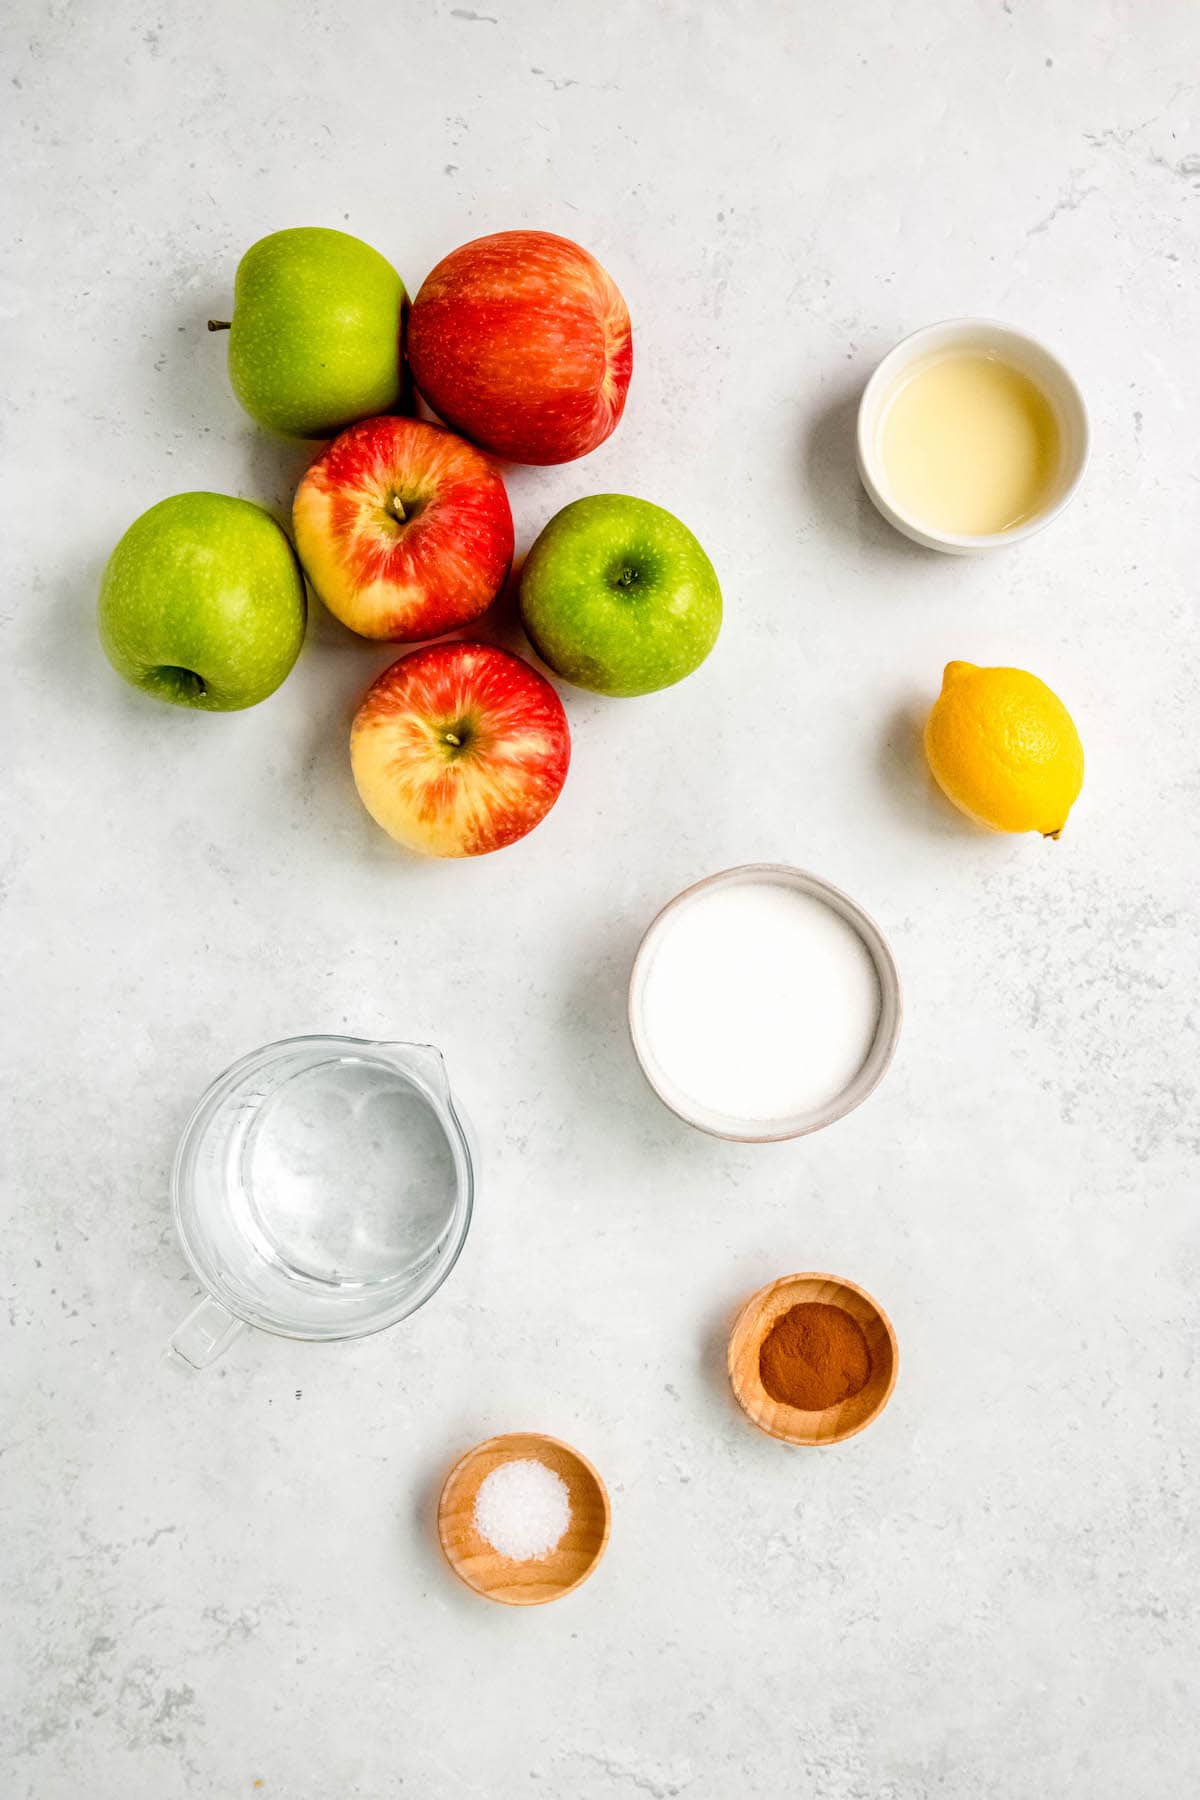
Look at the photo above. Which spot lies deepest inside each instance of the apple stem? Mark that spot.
(452, 739)
(398, 507)
(220, 324)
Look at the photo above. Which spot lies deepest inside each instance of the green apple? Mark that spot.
(617, 596)
(203, 604)
(314, 343)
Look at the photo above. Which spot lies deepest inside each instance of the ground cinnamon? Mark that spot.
(814, 1356)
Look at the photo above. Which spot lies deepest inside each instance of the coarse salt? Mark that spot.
(522, 1509)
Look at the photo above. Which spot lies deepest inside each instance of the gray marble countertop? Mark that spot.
(228, 1585)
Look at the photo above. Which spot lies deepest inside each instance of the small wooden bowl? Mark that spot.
(788, 1422)
(498, 1577)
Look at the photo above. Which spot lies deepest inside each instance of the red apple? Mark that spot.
(459, 749)
(404, 530)
(522, 342)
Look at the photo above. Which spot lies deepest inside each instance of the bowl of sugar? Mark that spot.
(764, 1003)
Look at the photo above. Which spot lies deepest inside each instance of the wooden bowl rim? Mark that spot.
(752, 1397)
(568, 1450)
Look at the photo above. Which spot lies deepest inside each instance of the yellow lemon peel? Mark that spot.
(1004, 749)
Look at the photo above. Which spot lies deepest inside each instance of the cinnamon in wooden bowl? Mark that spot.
(812, 1359)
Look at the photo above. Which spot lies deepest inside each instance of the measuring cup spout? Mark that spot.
(426, 1061)
(205, 1334)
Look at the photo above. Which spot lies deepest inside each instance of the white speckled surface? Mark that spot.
(234, 1578)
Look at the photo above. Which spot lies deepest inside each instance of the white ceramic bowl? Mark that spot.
(1022, 352)
(869, 1074)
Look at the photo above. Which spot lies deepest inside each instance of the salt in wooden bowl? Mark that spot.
(533, 1582)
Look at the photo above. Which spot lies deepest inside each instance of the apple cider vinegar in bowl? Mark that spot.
(969, 444)
(971, 436)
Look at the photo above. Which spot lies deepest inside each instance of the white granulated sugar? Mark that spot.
(760, 1001)
(522, 1509)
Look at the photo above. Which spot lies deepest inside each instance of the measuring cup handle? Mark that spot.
(207, 1331)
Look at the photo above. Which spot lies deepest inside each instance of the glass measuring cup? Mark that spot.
(322, 1188)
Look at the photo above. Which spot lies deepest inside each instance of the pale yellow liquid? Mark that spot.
(970, 446)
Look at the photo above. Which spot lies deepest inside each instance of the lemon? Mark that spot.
(1004, 749)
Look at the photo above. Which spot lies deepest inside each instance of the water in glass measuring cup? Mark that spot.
(324, 1186)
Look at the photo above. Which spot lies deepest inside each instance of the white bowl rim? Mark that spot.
(906, 351)
(887, 1031)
